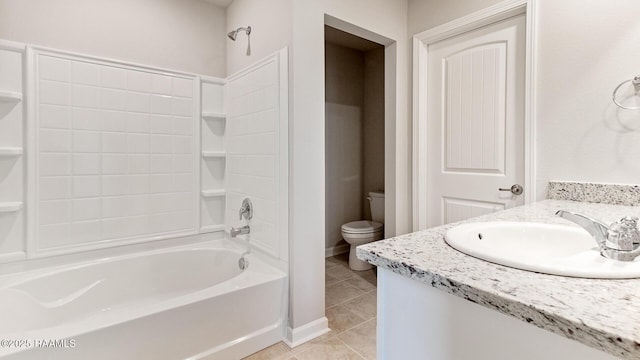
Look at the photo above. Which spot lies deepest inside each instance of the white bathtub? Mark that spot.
(179, 302)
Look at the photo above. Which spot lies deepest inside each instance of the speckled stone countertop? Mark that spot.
(603, 314)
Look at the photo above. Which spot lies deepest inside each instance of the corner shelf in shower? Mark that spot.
(6, 152)
(7, 207)
(214, 154)
(214, 115)
(10, 96)
(213, 193)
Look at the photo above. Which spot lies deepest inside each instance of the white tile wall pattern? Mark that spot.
(116, 151)
(256, 140)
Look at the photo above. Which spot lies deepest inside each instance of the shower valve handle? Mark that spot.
(246, 210)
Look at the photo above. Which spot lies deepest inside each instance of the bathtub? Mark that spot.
(177, 302)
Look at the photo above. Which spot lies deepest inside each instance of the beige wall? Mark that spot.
(354, 135)
(344, 97)
(186, 35)
(584, 50)
(271, 30)
(373, 129)
(344, 75)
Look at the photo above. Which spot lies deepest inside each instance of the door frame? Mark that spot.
(421, 42)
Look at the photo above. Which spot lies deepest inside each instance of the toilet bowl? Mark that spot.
(358, 233)
(364, 231)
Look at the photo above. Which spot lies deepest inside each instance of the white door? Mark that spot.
(475, 121)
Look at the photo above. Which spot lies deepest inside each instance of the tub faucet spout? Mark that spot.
(240, 231)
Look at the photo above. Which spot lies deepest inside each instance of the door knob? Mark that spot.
(515, 189)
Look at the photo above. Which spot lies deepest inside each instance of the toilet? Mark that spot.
(364, 231)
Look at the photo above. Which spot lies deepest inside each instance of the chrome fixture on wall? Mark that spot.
(234, 34)
(246, 210)
(636, 87)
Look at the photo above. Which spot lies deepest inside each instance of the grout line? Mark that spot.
(349, 299)
(351, 328)
(352, 349)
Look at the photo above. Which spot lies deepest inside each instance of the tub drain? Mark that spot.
(243, 263)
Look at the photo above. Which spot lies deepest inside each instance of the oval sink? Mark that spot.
(545, 248)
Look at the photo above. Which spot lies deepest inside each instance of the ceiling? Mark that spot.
(221, 3)
(338, 37)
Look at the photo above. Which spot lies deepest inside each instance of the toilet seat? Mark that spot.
(361, 227)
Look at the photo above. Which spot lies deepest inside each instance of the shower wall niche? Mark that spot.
(214, 156)
(12, 115)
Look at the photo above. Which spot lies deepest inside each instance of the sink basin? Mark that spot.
(545, 248)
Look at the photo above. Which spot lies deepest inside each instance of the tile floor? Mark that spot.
(350, 300)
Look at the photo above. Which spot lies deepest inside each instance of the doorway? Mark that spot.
(354, 131)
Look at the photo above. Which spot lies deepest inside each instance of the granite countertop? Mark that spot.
(602, 314)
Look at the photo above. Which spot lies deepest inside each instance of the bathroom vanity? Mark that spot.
(435, 302)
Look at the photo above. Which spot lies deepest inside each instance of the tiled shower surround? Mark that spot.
(115, 152)
(254, 157)
(98, 153)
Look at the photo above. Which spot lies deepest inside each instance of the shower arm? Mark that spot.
(234, 34)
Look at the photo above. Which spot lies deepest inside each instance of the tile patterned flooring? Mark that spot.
(350, 306)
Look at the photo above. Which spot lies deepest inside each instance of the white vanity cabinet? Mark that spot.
(417, 321)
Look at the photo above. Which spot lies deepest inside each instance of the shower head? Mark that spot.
(234, 34)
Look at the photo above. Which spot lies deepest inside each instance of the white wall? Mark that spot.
(581, 135)
(271, 28)
(307, 136)
(185, 35)
(584, 50)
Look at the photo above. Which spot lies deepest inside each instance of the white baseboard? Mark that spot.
(336, 250)
(307, 332)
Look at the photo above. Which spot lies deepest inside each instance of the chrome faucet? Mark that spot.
(620, 241)
(246, 210)
(239, 231)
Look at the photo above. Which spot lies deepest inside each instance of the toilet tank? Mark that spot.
(376, 204)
